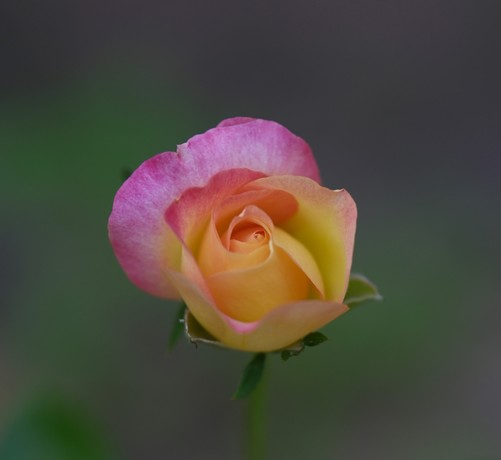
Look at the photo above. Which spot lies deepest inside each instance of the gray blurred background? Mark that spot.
(400, 102)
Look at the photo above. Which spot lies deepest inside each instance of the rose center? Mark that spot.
(252, 234)
(247, 236)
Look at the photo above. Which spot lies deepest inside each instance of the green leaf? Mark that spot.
(314, 339)
(360, 289)
(177, 327)
(251, 376)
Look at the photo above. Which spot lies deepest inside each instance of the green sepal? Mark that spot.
(286, 354)
(196, 332)
(311, 340)
(251, 376)
(360, 290)
(177, 326)
(314, 339)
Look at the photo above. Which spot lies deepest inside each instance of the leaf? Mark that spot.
(251, 376)
(177, 327)
(360, 289)
(314, 339)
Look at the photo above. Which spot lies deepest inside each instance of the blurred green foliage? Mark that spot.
(49, 428)
(388, 376)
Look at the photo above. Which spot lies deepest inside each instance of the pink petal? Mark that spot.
(259, 145)
(142, 241)
(189, 215)
(234, 121)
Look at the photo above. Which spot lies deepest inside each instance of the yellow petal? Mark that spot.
(324, 223)
(301, 256)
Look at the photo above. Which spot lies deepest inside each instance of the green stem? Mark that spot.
(256, 426)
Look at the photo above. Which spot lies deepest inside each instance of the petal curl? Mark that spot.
(214, 257)
(301, 256)
(142, 241)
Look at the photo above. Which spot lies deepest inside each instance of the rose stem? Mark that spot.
(256, 426)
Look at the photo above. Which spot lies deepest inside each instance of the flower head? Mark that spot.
(237, 224)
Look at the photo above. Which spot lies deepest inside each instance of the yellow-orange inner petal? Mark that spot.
(301, 256)
(252, 267)
(249, 294)
(246, 243)
(325, 223)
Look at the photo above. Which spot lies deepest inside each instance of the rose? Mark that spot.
(237, 225)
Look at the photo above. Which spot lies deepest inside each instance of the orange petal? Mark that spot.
(247, 295)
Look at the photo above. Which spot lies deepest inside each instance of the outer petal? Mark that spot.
(278, 329)
(142, 241)
(234, 121)
(285, 325)
(259, 145)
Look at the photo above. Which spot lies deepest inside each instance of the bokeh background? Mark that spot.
(401, 104)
